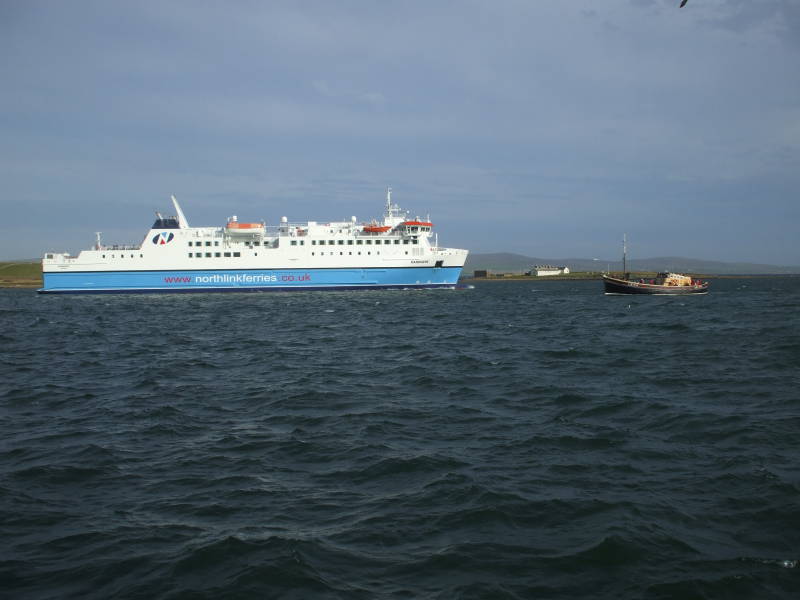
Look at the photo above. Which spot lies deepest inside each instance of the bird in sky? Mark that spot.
(683, 3)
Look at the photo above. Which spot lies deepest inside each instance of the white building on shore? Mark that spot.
(545, 270)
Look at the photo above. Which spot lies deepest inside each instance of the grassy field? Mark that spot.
(516, 276)
(575, 275)
(20, 274)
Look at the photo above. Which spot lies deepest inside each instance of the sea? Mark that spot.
(510, 440)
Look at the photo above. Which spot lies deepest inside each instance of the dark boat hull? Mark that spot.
(620, 286)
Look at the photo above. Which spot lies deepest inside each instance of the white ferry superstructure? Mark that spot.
(173, 257)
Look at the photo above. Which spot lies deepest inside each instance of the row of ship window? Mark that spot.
(349, 253)
(321, 242)
(238, 254)
(350, 242)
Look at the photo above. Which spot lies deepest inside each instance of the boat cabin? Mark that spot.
(673, 279)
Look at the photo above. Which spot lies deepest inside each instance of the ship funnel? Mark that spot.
(182, 222)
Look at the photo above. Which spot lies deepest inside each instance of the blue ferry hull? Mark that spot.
(260, 280)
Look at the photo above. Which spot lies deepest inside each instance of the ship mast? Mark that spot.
(393, 215)
(391, 211)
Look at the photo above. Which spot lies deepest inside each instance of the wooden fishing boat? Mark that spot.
(666, 283)
(672, 284)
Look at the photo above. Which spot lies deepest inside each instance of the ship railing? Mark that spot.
(60, 257)
(118, 247)
(302, 229)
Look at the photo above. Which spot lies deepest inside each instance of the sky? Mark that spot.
(545, 128)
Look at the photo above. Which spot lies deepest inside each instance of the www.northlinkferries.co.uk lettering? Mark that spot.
(239, 278)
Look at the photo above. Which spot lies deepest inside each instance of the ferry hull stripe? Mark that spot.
(247, 280)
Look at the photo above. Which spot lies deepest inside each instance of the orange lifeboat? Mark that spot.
(417, 223)
(376, 228)
(235, 227)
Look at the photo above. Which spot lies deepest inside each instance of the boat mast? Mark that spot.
(625, 254)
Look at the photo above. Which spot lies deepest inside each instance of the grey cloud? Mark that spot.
(515, 112)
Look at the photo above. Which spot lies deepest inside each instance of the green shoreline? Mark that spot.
(20, 274)
(633, 275)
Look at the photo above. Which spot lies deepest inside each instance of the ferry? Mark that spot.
(396, 252)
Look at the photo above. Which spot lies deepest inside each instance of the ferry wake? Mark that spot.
(396, 252)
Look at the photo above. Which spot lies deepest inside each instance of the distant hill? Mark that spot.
(509, 263)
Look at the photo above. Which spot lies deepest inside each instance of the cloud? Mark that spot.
(339, 93)
(780, 18)
(564, 113)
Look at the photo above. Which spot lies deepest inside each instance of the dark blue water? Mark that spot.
(515, 440)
